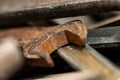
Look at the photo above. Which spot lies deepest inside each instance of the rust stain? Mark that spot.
(38, 44)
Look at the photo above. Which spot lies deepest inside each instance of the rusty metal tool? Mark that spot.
(86, 58)
(39, 42)
(19, 11)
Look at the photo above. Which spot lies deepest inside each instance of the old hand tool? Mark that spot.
(82, 58)
(39, 42)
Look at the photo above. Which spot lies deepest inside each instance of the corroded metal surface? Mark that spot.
(19, 11)
(39, 42)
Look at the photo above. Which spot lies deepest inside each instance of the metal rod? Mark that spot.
(19, 11)
(86, 59)
(104, 37)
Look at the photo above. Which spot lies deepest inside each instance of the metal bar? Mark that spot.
(105, 22)
(86, 75)
(104, 37)
(19, 11)
(82, 58)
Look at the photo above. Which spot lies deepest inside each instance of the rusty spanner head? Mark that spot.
(39, 42)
